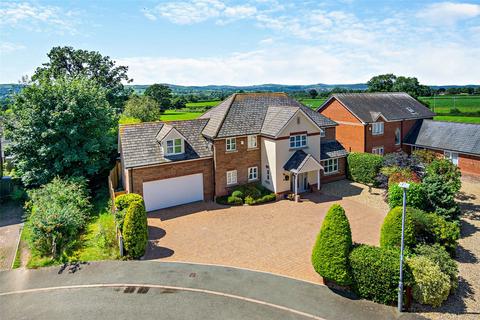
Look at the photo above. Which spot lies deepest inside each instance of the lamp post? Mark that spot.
(404, 186)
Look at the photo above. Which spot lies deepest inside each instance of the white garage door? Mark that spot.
(166, 193)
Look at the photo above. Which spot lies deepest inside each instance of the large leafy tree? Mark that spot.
(381, 83)
(392, 83)
(143, 108)
(67, 61)
(162, 94)
(62, 127)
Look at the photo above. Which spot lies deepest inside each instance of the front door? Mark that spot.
(302, 182)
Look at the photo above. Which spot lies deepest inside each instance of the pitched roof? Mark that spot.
(332, 149)
(140, 146)
(453, 136)
(367, 107)
(299, 160)
(256, 113)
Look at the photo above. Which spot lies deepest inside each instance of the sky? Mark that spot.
(201, 42)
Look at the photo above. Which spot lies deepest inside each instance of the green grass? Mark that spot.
(458, 119)
(96, 242)
(173, 115)
(203, 104)
(313, 103)
(443, 104)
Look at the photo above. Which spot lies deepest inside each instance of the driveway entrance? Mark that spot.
(274, 237)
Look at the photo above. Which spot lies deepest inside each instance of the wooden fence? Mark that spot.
(114, 186)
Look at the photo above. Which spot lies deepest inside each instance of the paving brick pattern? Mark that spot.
(275, 237)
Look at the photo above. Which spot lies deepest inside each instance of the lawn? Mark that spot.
(203, 104)
(173, 115)
(313, 103)
(96, 242)
(443, 104)
(458, 119)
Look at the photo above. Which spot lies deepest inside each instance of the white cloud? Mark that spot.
(36, 17)
(9, 47)
(448, 13)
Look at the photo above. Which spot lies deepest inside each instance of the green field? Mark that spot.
(313, 103)
(173, 115)
(458, 119)
(202, 104)
(443, 104)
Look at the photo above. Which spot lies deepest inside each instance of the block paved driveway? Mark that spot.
(274, 237)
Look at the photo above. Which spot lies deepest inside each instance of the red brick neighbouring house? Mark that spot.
(373, 122)
(266, 138)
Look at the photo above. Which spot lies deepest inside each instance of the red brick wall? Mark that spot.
(239, 160)
(329, 134)
(387, 139)
(176, 169)
(342, 167)
(350, 131)
(469, 164)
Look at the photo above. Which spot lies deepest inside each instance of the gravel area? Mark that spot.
(465, 303)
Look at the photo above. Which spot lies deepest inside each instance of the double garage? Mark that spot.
(173, 184)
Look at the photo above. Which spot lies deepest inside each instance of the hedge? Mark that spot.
(416, 196)
(431, 286)
(364, 167)
(135, 232)
(122, 202)
(376, 272)
(333, 245)
(391, 232)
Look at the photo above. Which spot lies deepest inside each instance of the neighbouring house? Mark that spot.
(267, 138)
(373, 122)
(459, 142)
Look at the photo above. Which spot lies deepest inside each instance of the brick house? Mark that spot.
(373, 122)
(267, 138)
(459, 142)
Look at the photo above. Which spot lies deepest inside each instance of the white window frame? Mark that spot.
(377, 128)
(330, 166)
(298, 141)
(398, 134)
(451, 156)
(231, 144)
(174, 145)
(322, 133)
(252, 173)
(252, 141)
(378, 150)
(267, 173)
(231, 177)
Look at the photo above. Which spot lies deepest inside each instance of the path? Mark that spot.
(10, 223)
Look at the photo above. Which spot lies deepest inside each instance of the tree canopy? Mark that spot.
(69, 62)
(162, 94)
(143, 108)
(392, 83)
(61, 127)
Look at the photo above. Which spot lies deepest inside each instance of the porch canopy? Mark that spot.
(301, 162)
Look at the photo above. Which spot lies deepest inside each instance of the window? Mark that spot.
(377, 128)
(174, 146)
(252, 173)
(452, 156)
(398, 139)
(231, 144)
(298, 141)
(252, 142)
(231, 177)
(322, 133)
(378, 150)
(267, 175)
(330, 166)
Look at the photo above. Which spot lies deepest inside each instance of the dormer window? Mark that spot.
(377, 128)
(174, 146)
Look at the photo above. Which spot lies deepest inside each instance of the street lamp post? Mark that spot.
(404, 186)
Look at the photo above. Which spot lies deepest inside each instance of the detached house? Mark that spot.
(268, 138)
(374, 122)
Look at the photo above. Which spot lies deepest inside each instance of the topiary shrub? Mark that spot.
(237, 194)
(234, 201)
(122, 202)
(431, 286)
(333, 245)
(416, 196)
(440, 256)
(266, 198)
(391, 232)
(376, 272)
(364, 167)
(135, 230)
(249, 200)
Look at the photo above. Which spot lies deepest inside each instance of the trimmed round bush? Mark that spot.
(135, 231)
(376, 272)
(364, 167)
(391, 232)
(237, 194)
(440, 256)
(416, 196)
(234, 201)
(122, 202)
(333, 245)
(431, 286)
